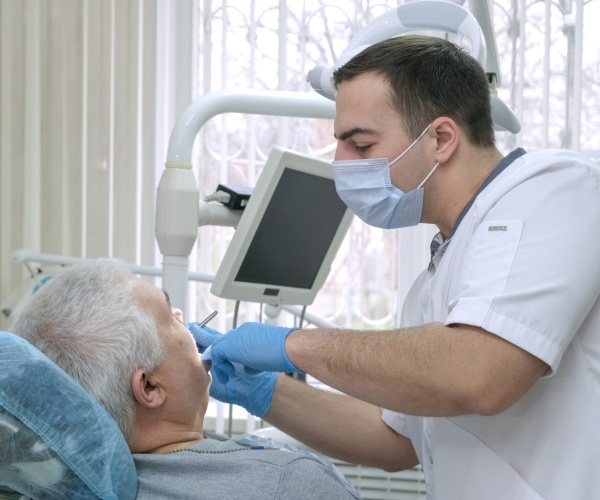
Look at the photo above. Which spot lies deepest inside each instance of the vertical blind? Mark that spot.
(77, 128)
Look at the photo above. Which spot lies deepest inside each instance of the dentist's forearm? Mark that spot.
(338, 426)
(430, 370)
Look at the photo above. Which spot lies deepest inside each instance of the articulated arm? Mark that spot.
(179, 211)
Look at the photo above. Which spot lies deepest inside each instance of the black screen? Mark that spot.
(295, 232)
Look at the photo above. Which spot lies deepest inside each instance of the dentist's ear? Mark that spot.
(445, 131)
(146, 390)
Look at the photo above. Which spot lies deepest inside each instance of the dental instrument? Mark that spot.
(208, 318)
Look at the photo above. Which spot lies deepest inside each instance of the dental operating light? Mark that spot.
(438, 15)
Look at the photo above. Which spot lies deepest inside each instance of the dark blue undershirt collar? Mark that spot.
(504, 163)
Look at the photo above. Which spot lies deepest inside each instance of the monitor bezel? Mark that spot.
(224, 284)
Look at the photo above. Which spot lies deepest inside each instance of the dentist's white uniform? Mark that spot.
(524, 264)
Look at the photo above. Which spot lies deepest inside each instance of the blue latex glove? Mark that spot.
(254, 345)
(250, 389)
(203, 335)
(233, 383)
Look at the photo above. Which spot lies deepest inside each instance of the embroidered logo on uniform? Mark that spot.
(497, 228)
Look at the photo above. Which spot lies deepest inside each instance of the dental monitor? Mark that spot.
(288, 235)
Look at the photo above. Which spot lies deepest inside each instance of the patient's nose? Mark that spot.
(177, 314)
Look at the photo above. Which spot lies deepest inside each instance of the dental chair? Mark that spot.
(56, 442)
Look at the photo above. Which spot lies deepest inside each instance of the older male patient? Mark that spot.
(119, 337)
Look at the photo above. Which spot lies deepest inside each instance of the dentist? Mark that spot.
(492, 383)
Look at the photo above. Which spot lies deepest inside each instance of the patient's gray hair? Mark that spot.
(88, 321)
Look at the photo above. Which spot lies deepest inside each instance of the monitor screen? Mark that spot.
(288, 234)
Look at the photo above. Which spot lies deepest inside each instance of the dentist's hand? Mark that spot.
(254, 345)
(203, 335)
(233, 383)
(248, 388)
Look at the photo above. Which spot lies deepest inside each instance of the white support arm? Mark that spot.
(482, 12)
(24, 256)
(258, 102)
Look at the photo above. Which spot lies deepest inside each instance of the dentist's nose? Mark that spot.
(339, 154)
(344, 151)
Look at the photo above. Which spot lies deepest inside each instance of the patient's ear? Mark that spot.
(146, 391)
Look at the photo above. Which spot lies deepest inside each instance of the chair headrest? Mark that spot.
(56, 441)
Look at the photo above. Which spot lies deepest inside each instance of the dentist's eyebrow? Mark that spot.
(353, 131)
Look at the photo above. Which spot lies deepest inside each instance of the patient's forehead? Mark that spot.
(151, 298)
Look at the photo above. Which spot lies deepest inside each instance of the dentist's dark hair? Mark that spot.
(429, 77)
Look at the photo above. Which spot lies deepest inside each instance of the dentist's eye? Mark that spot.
(362, 149)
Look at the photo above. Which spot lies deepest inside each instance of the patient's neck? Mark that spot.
(160, 442)
(151, 435)
(170, 447)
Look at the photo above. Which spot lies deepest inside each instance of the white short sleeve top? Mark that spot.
(523, 264)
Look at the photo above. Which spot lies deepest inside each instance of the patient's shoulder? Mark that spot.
(236, 469)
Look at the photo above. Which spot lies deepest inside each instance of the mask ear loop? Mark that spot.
(411, 145)
(428, 175)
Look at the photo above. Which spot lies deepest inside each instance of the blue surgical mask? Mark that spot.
(366, 187)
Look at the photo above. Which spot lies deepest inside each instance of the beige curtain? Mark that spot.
(77, 129)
